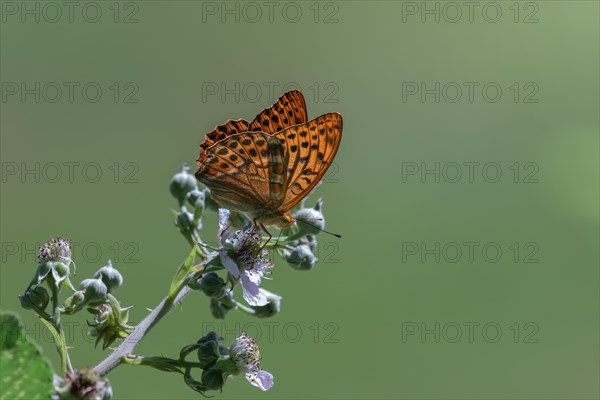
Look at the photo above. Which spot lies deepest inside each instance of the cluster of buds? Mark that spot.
(184, 188)
(94, 291)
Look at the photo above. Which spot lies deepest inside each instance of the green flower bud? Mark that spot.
(95, 290)
(111, 277)
(301, 258)
(271, 308)
(213, 379)
(210, 350)
(37, 296)
(218, 310)
(195, 198)
(212, 285)
(310, 220)
(209, 202)
(187, 226)
(182, 183)
(75, 302)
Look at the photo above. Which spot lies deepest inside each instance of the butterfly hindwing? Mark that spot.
(310, 149)
(246, 170)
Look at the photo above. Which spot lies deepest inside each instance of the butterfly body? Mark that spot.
(265, 167)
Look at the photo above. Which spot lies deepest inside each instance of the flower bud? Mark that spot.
(184, 220)
(212, 285)
(75, 302)
(209, 202)
(210, 350)
(37, 297)
(195, 198)
(310, 220)
(213, 379)
(301, 258)
(182, 183)
(95, 290)
(271, 308)
(110, 276)
(218, 310)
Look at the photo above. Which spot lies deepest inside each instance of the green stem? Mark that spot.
(61, 346)
(162, 363)
(243, 307)
(53, 324)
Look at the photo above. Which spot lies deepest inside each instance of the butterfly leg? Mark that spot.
(262, 228)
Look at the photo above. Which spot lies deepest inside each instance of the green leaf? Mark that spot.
(26, 373)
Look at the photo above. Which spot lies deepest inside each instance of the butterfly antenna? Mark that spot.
(322, 230)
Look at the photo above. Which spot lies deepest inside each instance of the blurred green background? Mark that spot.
(379, 316)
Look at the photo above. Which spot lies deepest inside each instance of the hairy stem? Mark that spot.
(139, 332)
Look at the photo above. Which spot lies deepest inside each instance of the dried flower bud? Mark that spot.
(82, 384)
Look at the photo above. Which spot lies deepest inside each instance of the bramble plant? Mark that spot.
(240, 260)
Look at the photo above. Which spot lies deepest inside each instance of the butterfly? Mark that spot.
(264, 167)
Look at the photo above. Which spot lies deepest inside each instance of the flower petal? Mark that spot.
(254, 276)
(231, 266)
(223, 219)
(251, 293)
(261, 379)
(223, 234)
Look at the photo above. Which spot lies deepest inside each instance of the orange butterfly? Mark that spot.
(265, 167)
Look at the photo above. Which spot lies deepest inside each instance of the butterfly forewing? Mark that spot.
(288, 110)
(231, 127)
(310, 149)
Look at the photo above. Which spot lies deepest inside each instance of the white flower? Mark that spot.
(250, 263)
(246, 355)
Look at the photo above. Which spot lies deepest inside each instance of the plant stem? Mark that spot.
(139, 332)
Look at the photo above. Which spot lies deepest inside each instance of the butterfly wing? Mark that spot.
(288, 110)
(309, 150)
(246, 172)
(231, 127)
